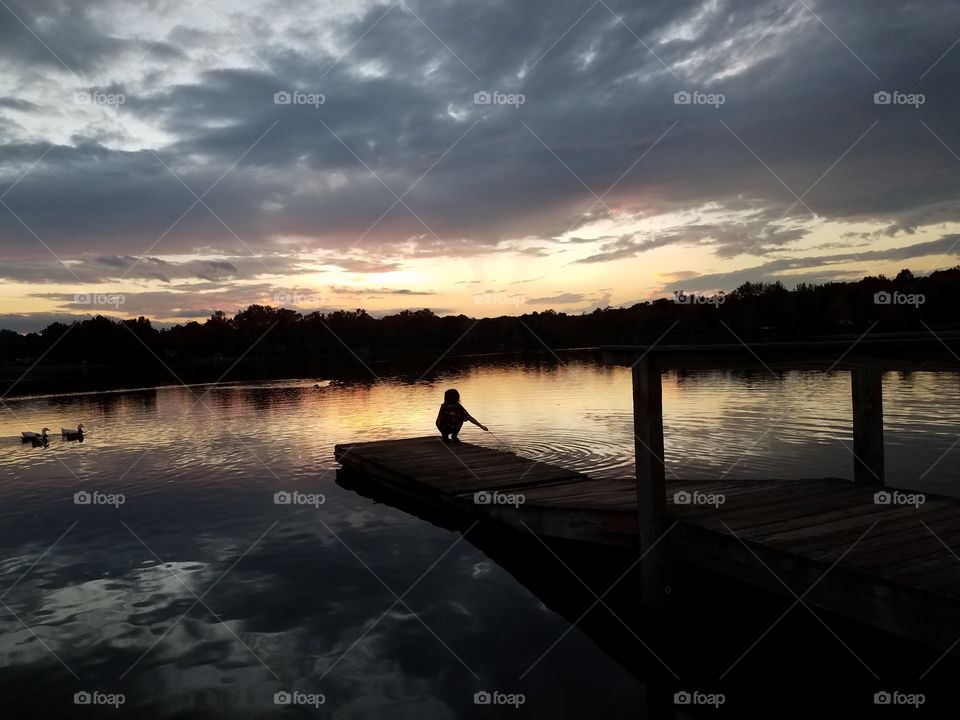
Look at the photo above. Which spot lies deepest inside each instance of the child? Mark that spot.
(451, 416)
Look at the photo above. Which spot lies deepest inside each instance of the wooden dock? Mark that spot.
(827, 541)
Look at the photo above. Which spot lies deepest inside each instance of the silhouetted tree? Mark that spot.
(754, 311)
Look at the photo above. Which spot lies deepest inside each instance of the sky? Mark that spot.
(170, 158)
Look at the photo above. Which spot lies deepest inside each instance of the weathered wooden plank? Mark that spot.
(818, 512)
(602, 494)
(924, 617)
(454, 468)
(749, 509)
(830, 527)
(888, 534)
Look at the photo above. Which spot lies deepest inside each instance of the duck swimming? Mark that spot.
(72, 434)
(27, 436)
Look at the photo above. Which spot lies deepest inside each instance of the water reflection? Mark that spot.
(296, 597)
(712, 637)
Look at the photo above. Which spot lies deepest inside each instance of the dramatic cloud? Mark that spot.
(257, 142)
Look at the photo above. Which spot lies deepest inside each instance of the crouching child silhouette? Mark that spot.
(451, 417)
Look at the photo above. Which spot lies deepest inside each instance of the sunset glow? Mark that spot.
(332, 156)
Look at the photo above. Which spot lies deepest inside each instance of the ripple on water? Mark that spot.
(200, 517)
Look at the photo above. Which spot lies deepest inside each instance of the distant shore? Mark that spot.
(57, 379)
(61, 378)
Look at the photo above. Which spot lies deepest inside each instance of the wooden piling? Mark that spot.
(867, 426)
(651, 486)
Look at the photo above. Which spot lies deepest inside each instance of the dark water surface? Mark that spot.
(201, 597)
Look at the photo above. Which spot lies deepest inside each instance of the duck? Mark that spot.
(27, 436)
(72, 434)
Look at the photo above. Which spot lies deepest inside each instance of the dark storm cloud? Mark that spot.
(64, 36)
(796, 102)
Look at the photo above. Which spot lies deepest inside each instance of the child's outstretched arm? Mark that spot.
(474, 420)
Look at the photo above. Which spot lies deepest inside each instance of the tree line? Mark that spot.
(754, 311)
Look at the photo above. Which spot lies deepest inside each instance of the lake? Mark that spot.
(184, 587)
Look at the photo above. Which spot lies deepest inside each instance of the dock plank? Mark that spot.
(884, 563)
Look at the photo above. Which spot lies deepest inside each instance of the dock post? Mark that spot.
(867, 427)
(651, 486)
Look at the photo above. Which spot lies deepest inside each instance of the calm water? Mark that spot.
(200, 594)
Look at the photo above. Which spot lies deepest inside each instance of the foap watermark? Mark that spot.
(896, 697)
(295, 697)
(297, 97)
(696, 697)
(685, 497)
(895, 97)
(681, 298)
(485, 497)
(297, 298)
(110, 299)
(896, 497)
(495, 97)
(495, 697)
(697, 97)
(99, 498)
(98, 97)
(298, 498)
(499, 298)
(95, 697)
(898, 298)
